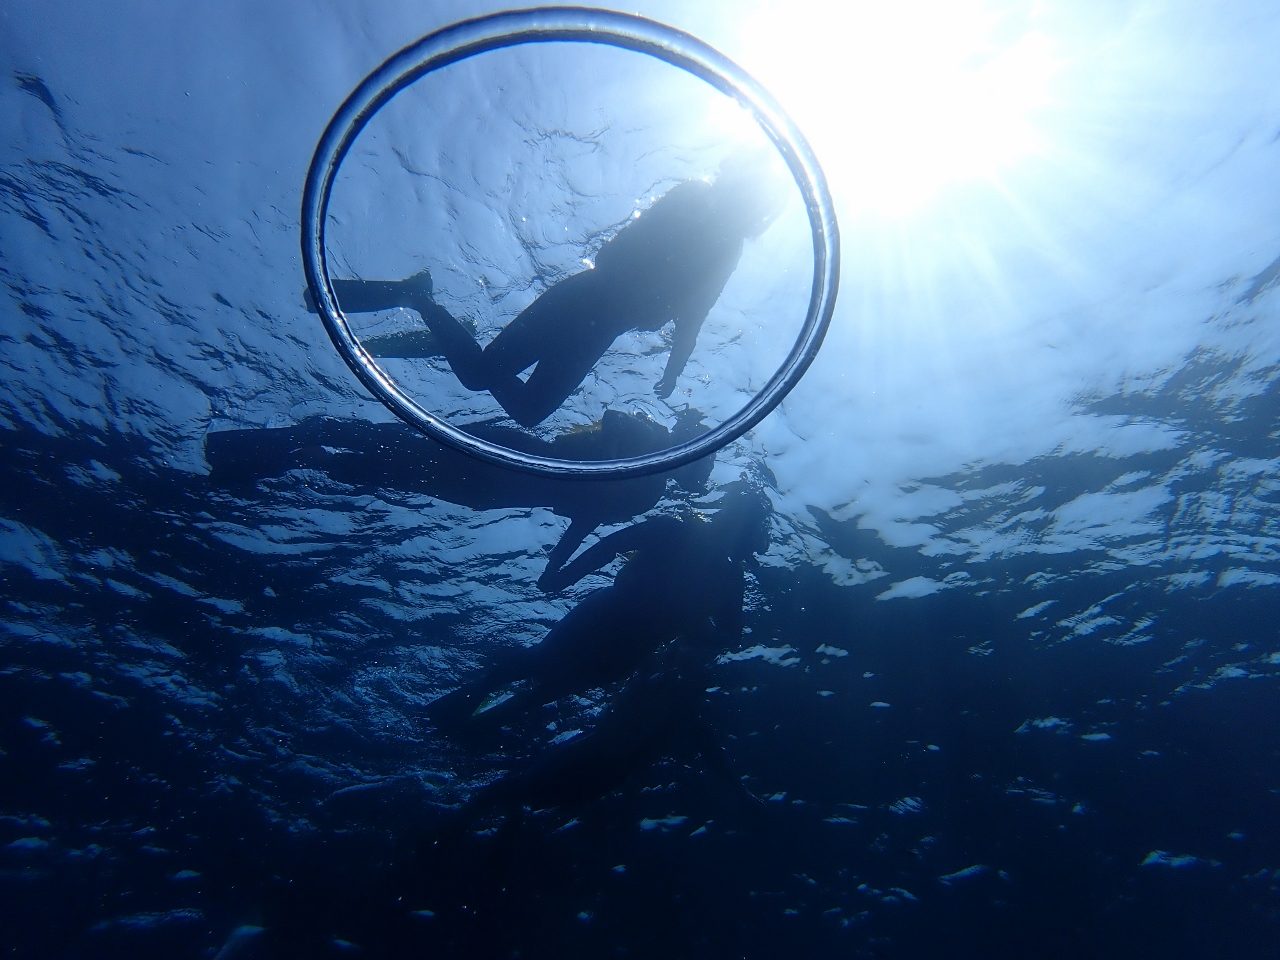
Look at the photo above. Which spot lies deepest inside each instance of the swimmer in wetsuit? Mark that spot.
(669, 264)
(659, 713)
(682, 575)
(471, 854)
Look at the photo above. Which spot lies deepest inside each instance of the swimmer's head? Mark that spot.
(752, 188)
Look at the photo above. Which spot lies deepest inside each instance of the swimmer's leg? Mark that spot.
(445, 336)
(453, 711)
(562, 335)
(457, 343)
(552, 382)
(369, 296)
(366, 296)
(566, 661)
(482, 370)
(403, 345)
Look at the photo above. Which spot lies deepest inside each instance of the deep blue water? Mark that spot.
(1008, 682)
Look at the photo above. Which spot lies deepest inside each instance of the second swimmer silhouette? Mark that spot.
(684, 576)
(667, 265)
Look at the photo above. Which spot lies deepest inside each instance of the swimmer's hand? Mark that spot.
(309, 300)
(664, 387)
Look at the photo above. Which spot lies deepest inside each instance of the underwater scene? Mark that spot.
(738, 480)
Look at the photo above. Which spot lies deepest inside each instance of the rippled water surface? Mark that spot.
(1008, 679)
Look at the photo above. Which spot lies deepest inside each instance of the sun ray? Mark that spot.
(902, 101)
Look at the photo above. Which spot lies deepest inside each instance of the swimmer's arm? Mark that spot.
(635, 537)
(682, 343)
(570, 541)
(689, 319)
(369, 296)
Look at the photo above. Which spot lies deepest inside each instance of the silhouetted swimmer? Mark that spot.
(494, 842)
(667, 265)
(684, 576)
(393, 456)
(659, 713)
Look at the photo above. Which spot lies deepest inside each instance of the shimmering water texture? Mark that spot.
(967, 650)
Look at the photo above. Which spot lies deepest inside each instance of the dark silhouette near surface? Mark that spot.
(684, 577)
(667, 265)
(395, 457)
(658, 713)
(659, 716)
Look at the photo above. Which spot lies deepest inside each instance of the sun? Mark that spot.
(902, 101)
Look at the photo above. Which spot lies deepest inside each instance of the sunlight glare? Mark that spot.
(901, 101)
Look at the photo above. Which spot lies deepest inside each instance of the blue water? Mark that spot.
(1009, 672)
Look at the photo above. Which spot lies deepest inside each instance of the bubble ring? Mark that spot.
(468, 38)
